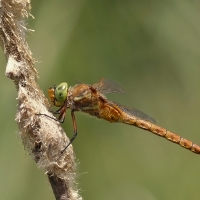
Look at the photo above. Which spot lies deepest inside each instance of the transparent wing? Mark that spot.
(134, 112)
(107, 86)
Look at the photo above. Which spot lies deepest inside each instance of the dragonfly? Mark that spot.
(91, 99)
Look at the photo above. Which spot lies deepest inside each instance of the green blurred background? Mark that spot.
(152, 49)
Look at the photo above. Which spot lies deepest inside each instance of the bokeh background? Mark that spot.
(152, 49)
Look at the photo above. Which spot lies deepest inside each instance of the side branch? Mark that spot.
(42, 137)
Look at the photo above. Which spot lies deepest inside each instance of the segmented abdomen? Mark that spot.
(149, 126)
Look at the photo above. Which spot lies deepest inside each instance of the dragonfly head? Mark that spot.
(58, 94)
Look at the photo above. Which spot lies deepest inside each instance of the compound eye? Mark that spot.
(61, 91)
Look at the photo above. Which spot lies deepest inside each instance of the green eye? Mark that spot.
(61, 91)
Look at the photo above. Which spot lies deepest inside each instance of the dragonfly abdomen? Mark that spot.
(157, 130)
(175, 138)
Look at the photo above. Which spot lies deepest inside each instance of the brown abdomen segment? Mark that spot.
(149, 126)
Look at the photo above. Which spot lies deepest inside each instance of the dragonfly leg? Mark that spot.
(61, 111)
(61, 117)
(57, 111)
(75, 133)
(54, 118)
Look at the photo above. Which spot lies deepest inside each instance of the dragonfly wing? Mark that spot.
(134, 112)
(107, 86)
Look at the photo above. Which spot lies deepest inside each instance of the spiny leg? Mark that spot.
(61, 111)
(54, 118)
(57, 111)
(75, 133)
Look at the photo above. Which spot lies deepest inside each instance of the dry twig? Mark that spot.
(42, 137)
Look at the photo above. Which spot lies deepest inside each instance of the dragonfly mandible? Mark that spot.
(91, 99)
